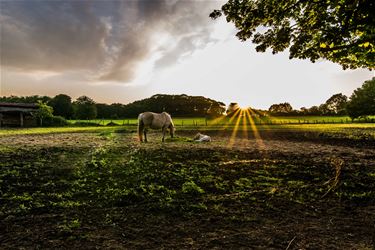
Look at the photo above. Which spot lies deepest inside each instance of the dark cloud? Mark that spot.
(107, 39)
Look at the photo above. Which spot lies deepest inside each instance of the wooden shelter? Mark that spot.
(17, 114)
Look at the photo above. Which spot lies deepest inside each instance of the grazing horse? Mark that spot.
(154, 121)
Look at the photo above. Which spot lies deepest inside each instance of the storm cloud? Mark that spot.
(107, 40)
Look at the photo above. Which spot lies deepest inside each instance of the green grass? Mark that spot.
(352, 130)
(25, 131)
(201, 121)
(133, 121)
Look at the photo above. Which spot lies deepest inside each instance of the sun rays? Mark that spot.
(243, 117)
(240, 120)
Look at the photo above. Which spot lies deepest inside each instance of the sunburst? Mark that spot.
(254, 128)
(238, 114)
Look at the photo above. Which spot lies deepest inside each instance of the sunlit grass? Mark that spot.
(237, 117)
(247, 126)
(26, 131)
(224, 121)
(244, 126)
(217, 121)
(254, 129)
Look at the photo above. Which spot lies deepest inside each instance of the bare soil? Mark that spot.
(286, 191)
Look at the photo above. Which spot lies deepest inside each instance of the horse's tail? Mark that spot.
(141, 126)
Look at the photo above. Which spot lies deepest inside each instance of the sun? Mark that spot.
(242, 119)
(243, 105)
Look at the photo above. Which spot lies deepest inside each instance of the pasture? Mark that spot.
(201, 121)
(309, 186)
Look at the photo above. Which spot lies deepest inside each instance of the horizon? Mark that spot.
(226, 104)
(120, 52)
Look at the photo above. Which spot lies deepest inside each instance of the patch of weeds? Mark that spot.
(190, 187)
(222, 185)
(243, 184)
(106, 134)
(68, 226)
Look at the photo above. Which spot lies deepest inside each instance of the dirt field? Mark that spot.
(106, 190)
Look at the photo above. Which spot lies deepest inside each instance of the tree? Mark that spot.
(176, 105)
(314, 110)
(323, 109)
(336, 104)
(216, 109)
(340, 31)
(25, 99)
(85, 108)
(362, 101)
(233, 107)
(281, 108)
(44, 112)
(62, 105)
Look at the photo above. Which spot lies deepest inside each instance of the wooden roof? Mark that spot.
(17, 107)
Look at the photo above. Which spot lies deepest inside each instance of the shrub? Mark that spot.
(55, 121)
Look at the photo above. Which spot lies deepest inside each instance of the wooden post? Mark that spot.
(21, 119)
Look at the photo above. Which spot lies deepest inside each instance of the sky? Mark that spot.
(122, 51)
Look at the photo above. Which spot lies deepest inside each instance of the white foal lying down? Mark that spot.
(202, 138)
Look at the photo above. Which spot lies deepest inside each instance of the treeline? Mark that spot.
(360, 104)
(86, 108)
(178, 105)
(335, 105)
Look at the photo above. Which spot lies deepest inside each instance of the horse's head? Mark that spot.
(197, 136)
(172, 129)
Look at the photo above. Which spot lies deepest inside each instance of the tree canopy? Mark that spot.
(177, 105)
(85, 108)
(362, 101)
(25, 99)
(336, 104)
(342, 31)
(44, 112)
(280, 109)
(62, 105)
(232, 108)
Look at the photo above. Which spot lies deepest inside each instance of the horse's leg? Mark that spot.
(171, 131)
(144, 132)
(140, 136)
(140, 130)
(164, 129)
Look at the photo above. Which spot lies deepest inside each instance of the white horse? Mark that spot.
(154, 121)
(202, 138)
